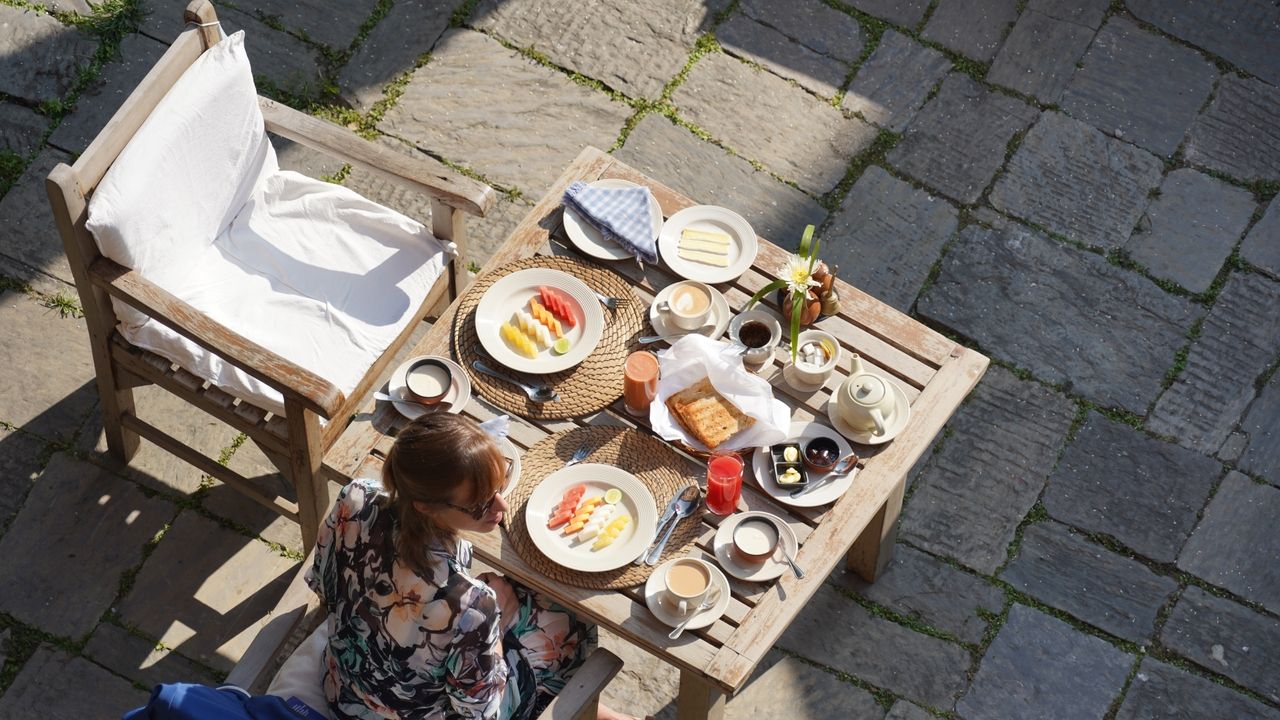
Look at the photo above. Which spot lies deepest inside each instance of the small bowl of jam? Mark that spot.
(822, 455)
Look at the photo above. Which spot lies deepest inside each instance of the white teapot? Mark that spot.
(865, 400)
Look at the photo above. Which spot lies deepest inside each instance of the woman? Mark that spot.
(412, 634)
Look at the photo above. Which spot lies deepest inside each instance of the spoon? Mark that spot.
(851, 459)
(536, 393)
(795, 569)
(704, 330)
(706, 605)
(689, 501)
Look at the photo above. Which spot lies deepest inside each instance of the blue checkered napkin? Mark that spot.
(620, 214)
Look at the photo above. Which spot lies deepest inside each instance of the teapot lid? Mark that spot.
(868, 389)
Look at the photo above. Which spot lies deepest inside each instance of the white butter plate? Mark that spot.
(568, 551)
(743, 244)
(830, 491)
(589, 239)
(654, 592)
(512, 293)
(453, 401)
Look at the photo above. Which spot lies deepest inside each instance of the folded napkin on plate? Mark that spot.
(497, 427)
(620, 214)
(694, 357)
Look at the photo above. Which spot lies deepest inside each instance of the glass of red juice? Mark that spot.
(724, 483)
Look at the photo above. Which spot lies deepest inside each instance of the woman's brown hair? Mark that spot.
(431, 458)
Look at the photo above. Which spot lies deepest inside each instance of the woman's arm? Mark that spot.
(475, 672)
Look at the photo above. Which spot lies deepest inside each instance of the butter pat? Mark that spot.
(706, 258)
(709, 235)
(706, 246)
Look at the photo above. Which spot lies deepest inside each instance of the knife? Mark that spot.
(667, 516)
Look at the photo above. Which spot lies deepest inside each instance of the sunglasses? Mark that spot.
(480, 511)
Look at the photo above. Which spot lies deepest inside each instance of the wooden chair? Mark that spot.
(299, 613)
(295, 442)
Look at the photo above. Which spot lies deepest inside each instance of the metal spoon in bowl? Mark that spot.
(536, 393)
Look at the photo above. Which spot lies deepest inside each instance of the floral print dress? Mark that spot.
(403, 645)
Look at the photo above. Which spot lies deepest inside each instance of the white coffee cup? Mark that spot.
(686, 582)
(688, 305)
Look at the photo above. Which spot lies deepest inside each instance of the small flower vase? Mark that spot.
(809, 312)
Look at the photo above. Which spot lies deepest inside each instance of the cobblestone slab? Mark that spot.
(1161, 691)
(1023, 297)
(332, 24)
(1237, 343)
(96, 105)
(1153, 510)
(42, 56)
(988, 474)
(971, 27)
(1226, 638)
(20, 128)
(208, 605)
(1192, 228)
(767, 119)
(81, 7)
(1040, 55)
(1261, 427)
(1236, 546)
(21, 458)
(230, 504)
(389, 50)
(887, 235)
(1245, 32)
(958, 140)
(53, 400)
(907, 13)
(903, 710)
(814, 24)
(1106, 590)
(1082, 12)
(153, 467)
(30, 236)
(56, 685)
(1239, 134)
(277, 57)
(1261, 247)
(1139, 86)
(510, 133)
(893, 83)
(663, 150)
(920, 586)
(79, 530)
(921, 668)
(782, 686)
(635, 48)
(1075, 181)
(745, 38)
(140, 660)
(1041, 667)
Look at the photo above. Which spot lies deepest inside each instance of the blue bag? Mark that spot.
(185, 701)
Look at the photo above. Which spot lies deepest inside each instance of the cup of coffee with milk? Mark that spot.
(686, 582)
(427, 381)
(688, 306)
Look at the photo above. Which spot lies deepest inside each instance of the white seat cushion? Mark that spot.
(302, 674)
(309, 270)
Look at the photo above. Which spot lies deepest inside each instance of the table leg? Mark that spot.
(699, 700)
(873, 549)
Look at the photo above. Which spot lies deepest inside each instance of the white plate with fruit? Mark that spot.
(539, 321)
(591, 517)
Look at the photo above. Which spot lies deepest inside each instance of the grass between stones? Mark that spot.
(884, 698)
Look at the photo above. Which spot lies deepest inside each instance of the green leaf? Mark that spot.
(813, 254)
(805, 239)
(775, 285)
(797, 307)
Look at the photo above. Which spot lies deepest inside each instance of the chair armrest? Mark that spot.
(291, 380)
(292, 619)
(421, 174)
(582, 691)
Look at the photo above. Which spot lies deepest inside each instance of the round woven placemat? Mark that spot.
(660, 468)
(589, 386)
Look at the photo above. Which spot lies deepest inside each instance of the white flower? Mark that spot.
(796, 274)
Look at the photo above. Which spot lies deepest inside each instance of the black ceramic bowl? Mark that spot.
(821, 454)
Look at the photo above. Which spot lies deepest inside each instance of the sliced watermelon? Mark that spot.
(558, 305)
(559, 518)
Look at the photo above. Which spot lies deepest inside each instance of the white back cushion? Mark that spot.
(188, 170)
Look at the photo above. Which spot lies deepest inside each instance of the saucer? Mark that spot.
(755, 572)
(458, 396)
(591, 241)
(511, 452)
(863, 437)
(720, 314)
(789, 375)
(653, 591)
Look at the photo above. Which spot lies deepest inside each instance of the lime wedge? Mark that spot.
(612, 496)
(561, 346)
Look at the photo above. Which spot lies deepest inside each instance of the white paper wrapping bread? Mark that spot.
(694, 357)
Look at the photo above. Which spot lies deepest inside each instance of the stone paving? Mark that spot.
(1085, 191)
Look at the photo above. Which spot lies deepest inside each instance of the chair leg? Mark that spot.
(122, 443)
(305, 459)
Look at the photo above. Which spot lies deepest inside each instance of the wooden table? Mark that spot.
(860, 527)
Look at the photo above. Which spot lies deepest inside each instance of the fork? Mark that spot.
(608, 302)
(706, 605)
(578, 455)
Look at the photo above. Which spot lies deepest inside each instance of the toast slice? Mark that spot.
(706, 414)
